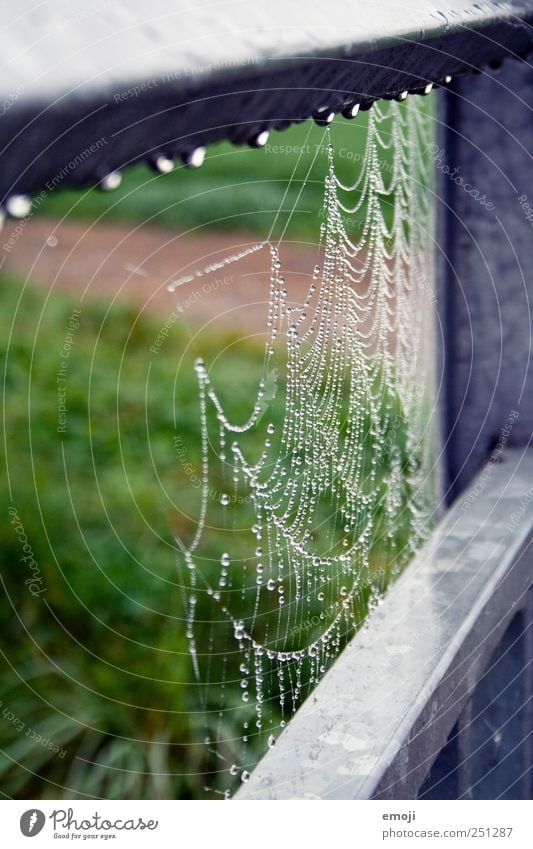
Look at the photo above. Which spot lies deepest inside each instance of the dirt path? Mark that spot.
(136, 263)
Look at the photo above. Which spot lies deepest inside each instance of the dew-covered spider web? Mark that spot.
(329, 482)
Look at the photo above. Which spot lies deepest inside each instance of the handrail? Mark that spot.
(376, 722)
(112, 84)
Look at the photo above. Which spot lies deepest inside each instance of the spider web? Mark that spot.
(330, 485)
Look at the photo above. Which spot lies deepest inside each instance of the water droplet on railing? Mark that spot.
(111, 181)
(351, 111)
(195, 158)
(260, 139)
(323, 116)
(163, 164)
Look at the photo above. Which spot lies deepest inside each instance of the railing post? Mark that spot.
(488, 753)
(486, 263)
(450, 775)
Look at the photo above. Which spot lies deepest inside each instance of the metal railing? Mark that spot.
(90, 89)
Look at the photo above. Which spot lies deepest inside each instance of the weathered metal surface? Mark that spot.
(378, 720)
(486, 250)
(136, 80)
(53, 47)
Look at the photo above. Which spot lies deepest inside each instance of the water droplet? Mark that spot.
(111, 181)
(163, 164)
(260, 139)
(18, 206)
(195, 158)
(351, 111)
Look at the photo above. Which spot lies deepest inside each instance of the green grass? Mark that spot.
(96, 506)
(98, 663)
